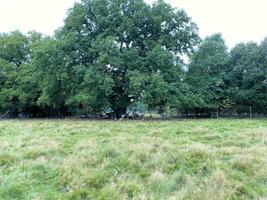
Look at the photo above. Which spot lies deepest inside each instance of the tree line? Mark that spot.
(113, 55)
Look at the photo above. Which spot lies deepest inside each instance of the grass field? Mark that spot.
(64, 159)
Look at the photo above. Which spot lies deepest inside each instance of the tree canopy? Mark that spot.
(111, 55)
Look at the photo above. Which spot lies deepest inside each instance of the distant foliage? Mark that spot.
(111, 55)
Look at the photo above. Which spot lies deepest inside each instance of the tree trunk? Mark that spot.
(119, 101)
(119, 112)
(119, 105)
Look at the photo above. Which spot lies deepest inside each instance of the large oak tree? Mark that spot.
(115, 51)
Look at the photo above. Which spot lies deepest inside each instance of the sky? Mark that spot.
(237, 20)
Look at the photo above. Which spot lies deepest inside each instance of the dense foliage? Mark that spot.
(112, 55)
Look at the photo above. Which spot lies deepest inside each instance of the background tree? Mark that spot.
(113, 55)
(206, 73)
(248, 74)
(14, 55)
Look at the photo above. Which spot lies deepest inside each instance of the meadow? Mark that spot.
(161, 160)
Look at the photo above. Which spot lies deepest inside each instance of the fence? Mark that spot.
(240, 111)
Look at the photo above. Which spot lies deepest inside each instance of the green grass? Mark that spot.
(64, 159)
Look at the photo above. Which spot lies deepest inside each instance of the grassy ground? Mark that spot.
(206, 159)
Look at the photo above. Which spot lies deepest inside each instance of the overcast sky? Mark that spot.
(237, 20)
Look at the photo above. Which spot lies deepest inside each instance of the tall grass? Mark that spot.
(64, 159)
